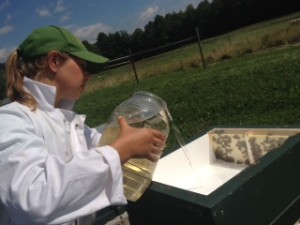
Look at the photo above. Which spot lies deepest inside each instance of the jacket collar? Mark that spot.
(45, 94)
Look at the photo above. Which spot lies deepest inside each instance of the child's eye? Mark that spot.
(82, 64)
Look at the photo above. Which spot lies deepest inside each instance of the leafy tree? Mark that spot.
(103, 44)
(189, 22)
(203, 18)
(137, 40)
(160, 30)
(156, 32)
(174, 23)
(121, 42)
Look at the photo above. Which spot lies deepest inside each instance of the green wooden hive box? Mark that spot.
(226, 176)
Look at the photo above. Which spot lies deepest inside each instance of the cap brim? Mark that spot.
(95, 63)
(90, 57)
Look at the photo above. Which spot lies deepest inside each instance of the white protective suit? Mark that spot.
(51, 170)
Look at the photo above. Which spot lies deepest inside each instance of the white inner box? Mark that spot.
(197, 169)
(192, 169)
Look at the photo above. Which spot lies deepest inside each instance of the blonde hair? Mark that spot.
(16, 70)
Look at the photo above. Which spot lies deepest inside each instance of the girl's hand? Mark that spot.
(138, 142)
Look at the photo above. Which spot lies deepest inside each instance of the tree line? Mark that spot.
(212, 17)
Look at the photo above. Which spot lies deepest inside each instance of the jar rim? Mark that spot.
(156, 97)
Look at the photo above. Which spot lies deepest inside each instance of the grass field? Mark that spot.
(254, 90)
(259, 37)
(258, 88)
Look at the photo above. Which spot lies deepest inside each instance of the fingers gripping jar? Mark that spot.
(142, 110)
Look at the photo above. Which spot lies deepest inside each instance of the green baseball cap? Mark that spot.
(45, 39)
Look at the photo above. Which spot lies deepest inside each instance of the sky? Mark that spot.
(85, 18)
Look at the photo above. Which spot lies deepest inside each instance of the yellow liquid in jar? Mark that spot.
(137, 173)
(136, 181)
(109, 135)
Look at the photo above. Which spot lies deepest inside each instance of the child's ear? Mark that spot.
(53, 61)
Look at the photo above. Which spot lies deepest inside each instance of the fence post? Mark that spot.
(133, 66)
(200, 48)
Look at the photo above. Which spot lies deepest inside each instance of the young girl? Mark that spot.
(51, 170)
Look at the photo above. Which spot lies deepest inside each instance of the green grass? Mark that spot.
(255, 90)
(258, 37)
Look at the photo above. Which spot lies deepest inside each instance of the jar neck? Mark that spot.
(159, 100)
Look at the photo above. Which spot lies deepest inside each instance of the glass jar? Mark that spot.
(142, 110)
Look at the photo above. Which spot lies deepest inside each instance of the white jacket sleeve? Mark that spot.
(39, 188)
(92, 137)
